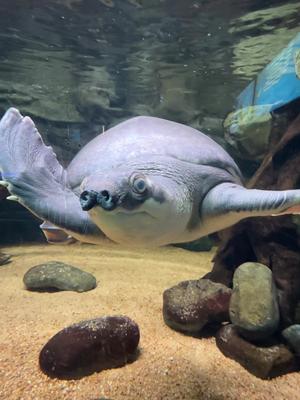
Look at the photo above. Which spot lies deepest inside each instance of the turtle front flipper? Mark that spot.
(228, 203)
(36, 180)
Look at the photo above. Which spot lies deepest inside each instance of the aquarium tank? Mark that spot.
(149, 199)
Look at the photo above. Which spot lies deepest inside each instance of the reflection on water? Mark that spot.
(79, 67)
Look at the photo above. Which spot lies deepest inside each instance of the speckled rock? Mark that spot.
(262, 361)
(55, 275)
(90, 346)
(292, 336)
(191, 305)
(253, 304)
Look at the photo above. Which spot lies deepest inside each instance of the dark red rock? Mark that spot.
(191, 305)
(90, 346)
(264, 361)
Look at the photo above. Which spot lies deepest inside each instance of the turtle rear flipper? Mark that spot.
(35, 178)
(55, 235)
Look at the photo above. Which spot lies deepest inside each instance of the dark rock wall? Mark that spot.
(272, 241)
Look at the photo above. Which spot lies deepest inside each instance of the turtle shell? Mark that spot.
(140, 137)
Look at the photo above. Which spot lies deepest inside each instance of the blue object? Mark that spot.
(278, 83)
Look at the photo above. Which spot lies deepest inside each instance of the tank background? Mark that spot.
(78, 68)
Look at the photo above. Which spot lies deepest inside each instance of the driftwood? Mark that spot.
(273, 241)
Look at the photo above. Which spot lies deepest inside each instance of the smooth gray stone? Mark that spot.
(292, 336)
(253, 305)
(59, 276)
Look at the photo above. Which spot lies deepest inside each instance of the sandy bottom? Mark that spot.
(171, 365)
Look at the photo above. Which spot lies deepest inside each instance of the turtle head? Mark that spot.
(135, 206)
(111, 192)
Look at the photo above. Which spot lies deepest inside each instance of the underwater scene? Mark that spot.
(149, 199)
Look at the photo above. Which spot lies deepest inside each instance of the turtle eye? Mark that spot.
(139, 184)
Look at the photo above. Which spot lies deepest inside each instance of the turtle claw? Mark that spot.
(12, 198)
(4, 183)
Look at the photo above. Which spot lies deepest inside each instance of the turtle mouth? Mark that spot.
(134, 213)
(91, 198)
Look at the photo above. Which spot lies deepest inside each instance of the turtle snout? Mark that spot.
(90, 198)
(106, 200)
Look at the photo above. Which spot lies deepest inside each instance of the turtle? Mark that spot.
(145, 182)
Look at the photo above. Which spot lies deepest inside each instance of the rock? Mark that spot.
(191, 305)
(4, 258)
(60, 276)
(248, 131)
(285, 259)
(292, 336)
(90, 346)
(263, 362)
(253, 305)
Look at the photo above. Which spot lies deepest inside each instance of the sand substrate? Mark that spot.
(170, 366)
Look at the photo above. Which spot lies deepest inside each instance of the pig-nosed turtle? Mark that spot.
(146, 182)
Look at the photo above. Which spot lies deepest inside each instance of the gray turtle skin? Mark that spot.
(145, 182)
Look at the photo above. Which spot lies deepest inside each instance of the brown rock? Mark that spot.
(191, 305)
(90, 346)
(261, 360)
